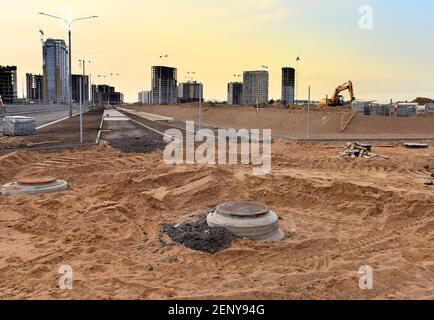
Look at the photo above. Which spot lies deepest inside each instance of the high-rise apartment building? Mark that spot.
(145, 97)
(8, 84)
(235, 93)
(56, 71)
(255, 87)
(34, 84)
(164, 85)
(288, 85)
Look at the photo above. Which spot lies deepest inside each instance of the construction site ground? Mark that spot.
(338, 214)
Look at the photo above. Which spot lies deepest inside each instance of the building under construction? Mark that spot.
(288, 85)
(77, 81)
(34, 84)
(164, 85)
(8, 84)
(190, 91)
(104, 94)
(235, 93)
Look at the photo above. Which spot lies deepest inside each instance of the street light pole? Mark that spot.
(69, 23)
(70, 72)
(200, 106)
(297, 75)
(81, 111)
(308, 116)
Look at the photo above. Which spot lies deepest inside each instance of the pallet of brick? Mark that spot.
(406, 110)
(379, 109)
(361, 107)
(429, 109)
(19, 126)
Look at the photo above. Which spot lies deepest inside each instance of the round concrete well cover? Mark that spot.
(241, 209)
(36, 181)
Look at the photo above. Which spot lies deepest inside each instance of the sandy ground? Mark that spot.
(338, 214)
(292, 123)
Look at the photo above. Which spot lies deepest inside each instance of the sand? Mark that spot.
(337, 214)
(325, 122)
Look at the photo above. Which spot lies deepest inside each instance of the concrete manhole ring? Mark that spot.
(247, 219)
(33, 186)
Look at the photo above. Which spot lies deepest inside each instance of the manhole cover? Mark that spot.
(241, 209)
(36, 181)
(247, 220)
(33, 186)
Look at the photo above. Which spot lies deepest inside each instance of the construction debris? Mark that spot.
(358, 150)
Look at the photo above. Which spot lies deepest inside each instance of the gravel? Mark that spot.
(197, 235)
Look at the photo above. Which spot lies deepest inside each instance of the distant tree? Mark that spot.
(271, 101)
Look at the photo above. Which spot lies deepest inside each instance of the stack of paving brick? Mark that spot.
(429, 109)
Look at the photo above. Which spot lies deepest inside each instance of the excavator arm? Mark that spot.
(335, 99)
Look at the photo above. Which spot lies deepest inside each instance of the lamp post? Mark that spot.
(200, 103)
(308, 115)
(297, 73)
(69, 23)
(82, 96)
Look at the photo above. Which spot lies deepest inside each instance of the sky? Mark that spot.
(219, 38)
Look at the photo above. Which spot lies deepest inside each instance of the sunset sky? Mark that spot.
(219, 38)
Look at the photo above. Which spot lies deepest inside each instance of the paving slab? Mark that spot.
(146, 115)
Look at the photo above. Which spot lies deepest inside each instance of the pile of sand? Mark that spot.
(338, 214)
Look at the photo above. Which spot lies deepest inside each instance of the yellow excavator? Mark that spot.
(337, 99)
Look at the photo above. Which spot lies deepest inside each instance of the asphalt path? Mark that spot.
(44, 114)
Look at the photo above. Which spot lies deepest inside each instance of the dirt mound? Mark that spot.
(197, 235)
(423, 101)
(325, 122)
